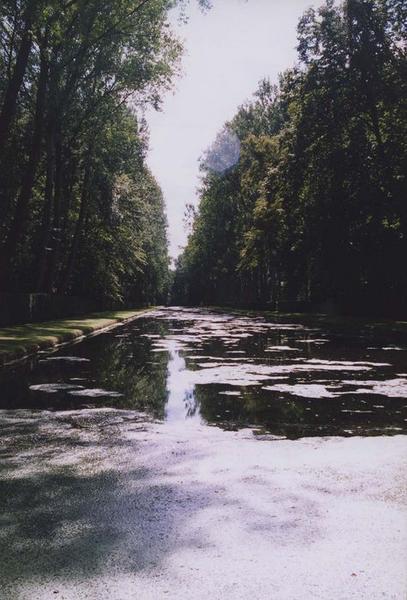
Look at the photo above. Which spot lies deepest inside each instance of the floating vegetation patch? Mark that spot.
(305, 390)
(72, 359)
(96, 393)
(282, 349)
(387, 348)
(346, 363)
(312, 341)
(393, 388)
(53, 388)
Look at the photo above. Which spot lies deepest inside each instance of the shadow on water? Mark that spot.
(287, 379)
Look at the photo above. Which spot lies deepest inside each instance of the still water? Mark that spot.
(284, 378)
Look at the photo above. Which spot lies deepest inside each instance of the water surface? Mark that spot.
(189, 366)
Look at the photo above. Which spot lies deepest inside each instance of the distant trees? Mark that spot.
(80, 212)
(316, 208)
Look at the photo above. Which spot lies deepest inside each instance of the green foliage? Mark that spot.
(315, 210)
(80, 212)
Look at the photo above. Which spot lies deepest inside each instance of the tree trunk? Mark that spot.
(47, 214)
(53, 256)
(23, 200)
(11, 94)
(78, 231)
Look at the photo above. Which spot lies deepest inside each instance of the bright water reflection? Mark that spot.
(181, 403)
(194, 366)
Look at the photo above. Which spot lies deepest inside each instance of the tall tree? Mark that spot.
(314, 211)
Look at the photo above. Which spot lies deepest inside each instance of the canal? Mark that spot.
(205, 454)
(193, 366)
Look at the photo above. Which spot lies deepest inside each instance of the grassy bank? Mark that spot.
(19, 341)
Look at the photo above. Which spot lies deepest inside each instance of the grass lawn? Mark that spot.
(20, 340)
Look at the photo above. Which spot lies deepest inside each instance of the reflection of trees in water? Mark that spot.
(121, 364)
(252, 407)
(13, 385)
(128, 366)
(297, 417)
(217, 408)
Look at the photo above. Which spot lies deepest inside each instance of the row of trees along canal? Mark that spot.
(80, 213)
(303, 195)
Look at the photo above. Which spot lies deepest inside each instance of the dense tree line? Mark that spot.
(315, 208)
(80, 213)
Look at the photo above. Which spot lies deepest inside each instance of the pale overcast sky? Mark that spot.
(227, 51)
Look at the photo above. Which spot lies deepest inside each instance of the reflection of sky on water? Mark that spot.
(181, 404)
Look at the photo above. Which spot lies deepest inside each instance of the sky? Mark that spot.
(228, 50)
